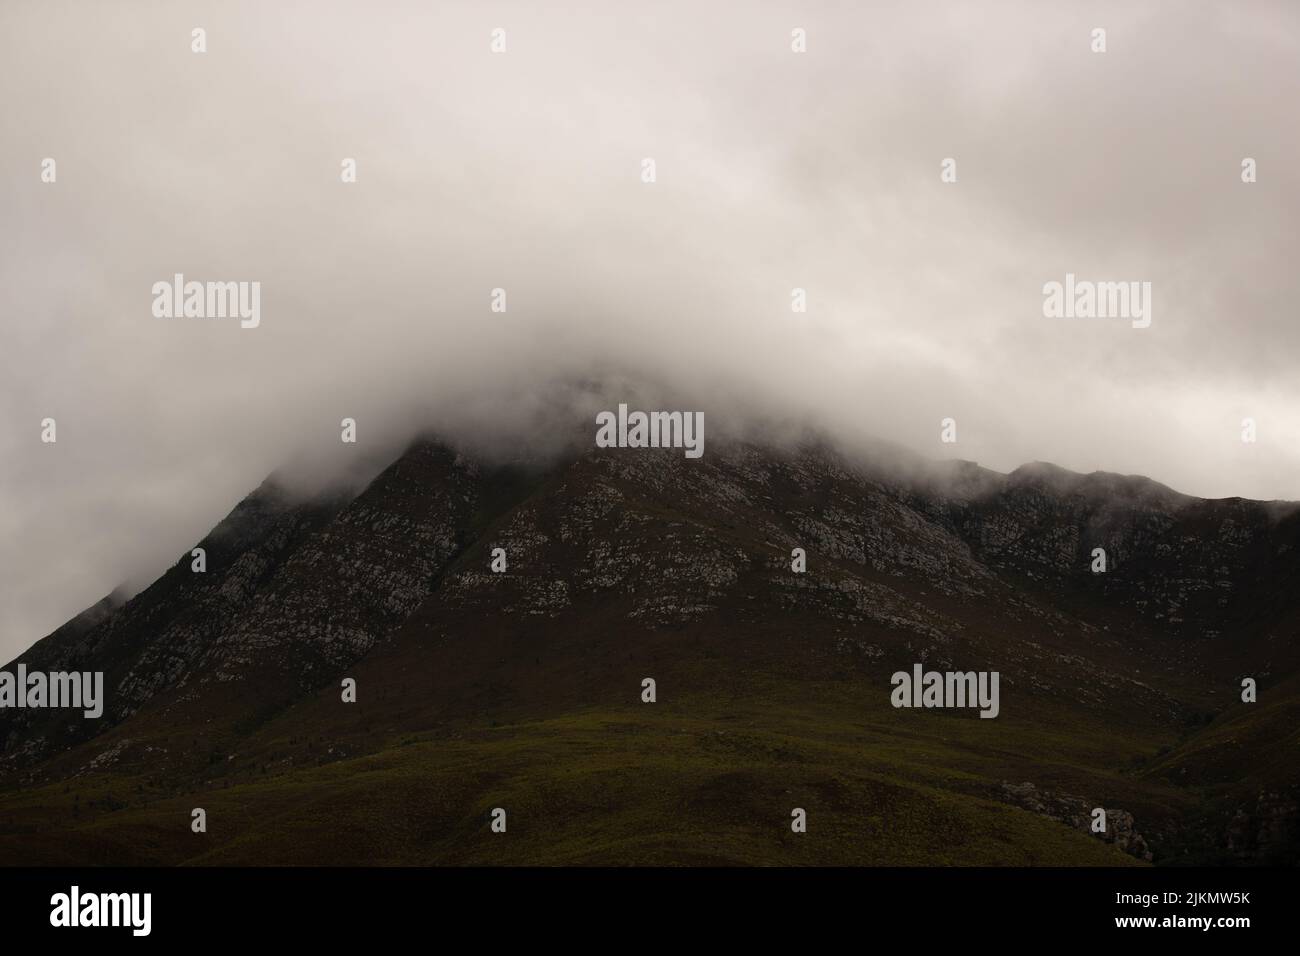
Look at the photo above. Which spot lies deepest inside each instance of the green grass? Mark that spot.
(700, 781)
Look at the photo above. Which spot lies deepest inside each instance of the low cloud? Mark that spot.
(522, 171)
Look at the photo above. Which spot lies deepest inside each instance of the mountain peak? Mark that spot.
(463, 594)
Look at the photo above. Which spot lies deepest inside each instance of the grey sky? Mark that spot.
(522, 170)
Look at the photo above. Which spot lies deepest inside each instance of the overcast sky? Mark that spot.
(522, 170)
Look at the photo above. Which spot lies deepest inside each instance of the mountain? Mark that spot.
(522, 688)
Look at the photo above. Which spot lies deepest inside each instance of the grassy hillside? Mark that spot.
(675, 782)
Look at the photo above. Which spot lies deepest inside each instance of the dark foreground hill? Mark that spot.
(523, 689)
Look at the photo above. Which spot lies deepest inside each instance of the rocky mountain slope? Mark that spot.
(521, 688)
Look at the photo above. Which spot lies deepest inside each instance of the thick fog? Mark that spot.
(523, 170)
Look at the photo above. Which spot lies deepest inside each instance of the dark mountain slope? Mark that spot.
(141, 646)
(478, 689)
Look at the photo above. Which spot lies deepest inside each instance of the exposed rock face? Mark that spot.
(157, 638)
(355, 579)
(949, 564)
(293, 591)
(1268, 832)
(1077, 812)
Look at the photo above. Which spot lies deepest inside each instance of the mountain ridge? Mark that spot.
(220, 678)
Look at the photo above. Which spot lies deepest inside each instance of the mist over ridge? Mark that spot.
(521, 172)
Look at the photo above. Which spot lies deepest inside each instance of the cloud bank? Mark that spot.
(522, 171)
